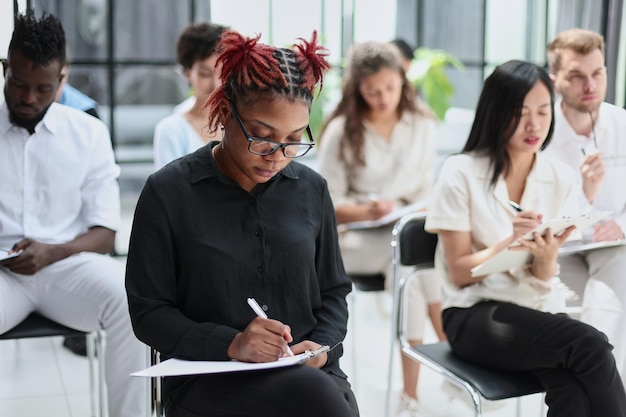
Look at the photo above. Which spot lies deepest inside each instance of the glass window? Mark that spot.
(85, 24)
(91, 80)
(148, 29)
(455, 26)
(467, 86)
(143, 96)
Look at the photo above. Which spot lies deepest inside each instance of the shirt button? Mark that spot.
(258, 233)
(261, 268)
(265, 307)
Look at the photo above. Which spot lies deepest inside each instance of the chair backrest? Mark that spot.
(412, 247)
(368, 282)
(415, 245)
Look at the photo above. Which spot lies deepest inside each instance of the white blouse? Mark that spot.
(400, 169)
(465, 201)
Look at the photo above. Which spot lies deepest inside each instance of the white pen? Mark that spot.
(516, 206)
(259, 312)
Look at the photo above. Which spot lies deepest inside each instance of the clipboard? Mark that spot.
(390, 218)
(506, 259)
(177, 367)
(575, 246)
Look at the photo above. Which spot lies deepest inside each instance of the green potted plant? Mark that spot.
(427, 74)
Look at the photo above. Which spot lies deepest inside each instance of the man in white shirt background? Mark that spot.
(590, 135)
(60, 208)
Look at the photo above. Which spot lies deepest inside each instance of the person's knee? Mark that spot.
(314, 393)
(592, 347)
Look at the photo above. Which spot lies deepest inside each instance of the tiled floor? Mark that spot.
(38, 377)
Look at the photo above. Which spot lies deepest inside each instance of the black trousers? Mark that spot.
(293, 391)
(572, 360)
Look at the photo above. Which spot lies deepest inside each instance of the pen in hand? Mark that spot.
(259, 312)
(516, 206)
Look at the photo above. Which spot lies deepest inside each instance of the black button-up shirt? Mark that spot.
(201, 245)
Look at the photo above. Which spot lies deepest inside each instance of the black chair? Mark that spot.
(35, 325)
(414, 247)
(368, 282)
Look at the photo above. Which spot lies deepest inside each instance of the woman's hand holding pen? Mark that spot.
(525, 221)
(263, 340)
(592, 171)
(377, 207)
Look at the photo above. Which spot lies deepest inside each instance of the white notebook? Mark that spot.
(509, 259)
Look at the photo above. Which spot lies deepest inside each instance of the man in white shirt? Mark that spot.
(590, 135)
(60, 208)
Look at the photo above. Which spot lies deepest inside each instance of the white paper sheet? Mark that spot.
(173, 367)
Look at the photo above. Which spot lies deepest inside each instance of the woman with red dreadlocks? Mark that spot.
(238, 219)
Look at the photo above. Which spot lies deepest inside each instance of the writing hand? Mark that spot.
(378, 208)
(526, 221)
(592, 172)
(263, 340)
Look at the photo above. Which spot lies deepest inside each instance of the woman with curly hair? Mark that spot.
(238, 219)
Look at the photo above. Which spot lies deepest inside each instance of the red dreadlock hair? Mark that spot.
(250, 68)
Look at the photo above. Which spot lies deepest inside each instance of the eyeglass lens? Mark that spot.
(290, 150)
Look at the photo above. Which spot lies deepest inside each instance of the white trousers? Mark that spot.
(602, 274)
(85, 292)
(368, 251)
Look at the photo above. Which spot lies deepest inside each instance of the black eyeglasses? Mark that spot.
(261, 146)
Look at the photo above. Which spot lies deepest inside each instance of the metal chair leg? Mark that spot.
(96, 349)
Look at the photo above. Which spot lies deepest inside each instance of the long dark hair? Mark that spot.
(499, 111)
